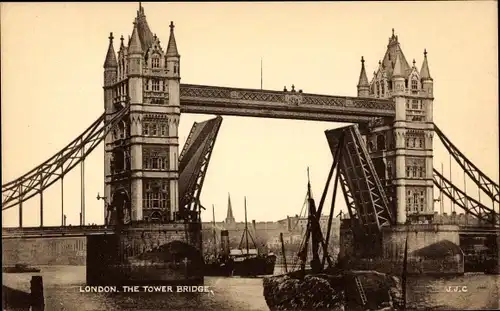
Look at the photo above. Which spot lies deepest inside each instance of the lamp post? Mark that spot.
(106, 206)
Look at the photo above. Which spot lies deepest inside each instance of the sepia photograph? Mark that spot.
(327, 155)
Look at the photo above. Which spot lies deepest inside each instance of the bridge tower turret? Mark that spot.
(427, 94)
(172, 59)
(110, 78)
(142, 152)
(401, 148)
(398, 82)
(363, 85)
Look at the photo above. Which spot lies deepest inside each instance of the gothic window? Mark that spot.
(378, 88)
(383, 88)
(145, 129)
(389, 84)
(414, 104)
(127, 160)
(155, 160)
(175, 68)
(420, 172)
(409, 205)
(154, 129)
(415, 168)
(123, 129)
(380, 142)
(146, 85)
(414, 85)
(156, 85)
(118, 160)
(155, 62)
(156, 195)
(421, 143)
(163, 130)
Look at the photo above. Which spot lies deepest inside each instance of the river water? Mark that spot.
(62, 293)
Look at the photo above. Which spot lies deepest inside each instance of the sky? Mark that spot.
(52, 76)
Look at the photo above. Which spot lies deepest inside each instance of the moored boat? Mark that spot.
(20, 268)
(249, 261)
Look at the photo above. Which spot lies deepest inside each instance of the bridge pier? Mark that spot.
(146, 254)
(432, 250)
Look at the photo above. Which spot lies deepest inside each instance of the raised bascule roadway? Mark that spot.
(152, 193)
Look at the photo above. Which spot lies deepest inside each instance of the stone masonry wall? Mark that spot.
(44, 251)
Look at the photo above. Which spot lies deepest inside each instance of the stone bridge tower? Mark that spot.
(141, 154)
(401, 148)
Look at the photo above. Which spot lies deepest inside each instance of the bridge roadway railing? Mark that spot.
(218, 100)
(32, 232)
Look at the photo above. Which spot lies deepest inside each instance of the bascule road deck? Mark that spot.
(204, 99)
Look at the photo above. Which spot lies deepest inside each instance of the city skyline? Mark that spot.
(308, 50)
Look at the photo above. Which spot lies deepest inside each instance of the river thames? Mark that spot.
(63, 292)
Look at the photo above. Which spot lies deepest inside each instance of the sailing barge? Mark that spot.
(248, 261)
(330, 288)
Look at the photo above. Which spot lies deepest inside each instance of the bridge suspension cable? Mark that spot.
(467, 203)
(485, 183)
(44, 175)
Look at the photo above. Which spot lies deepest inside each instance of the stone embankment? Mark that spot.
(334, 291)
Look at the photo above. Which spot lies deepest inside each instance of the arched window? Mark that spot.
(380, 142)
(378, 88)
(156, 195)
(414, 84)
(155, 62)
(156, 85)
(118, 161)
(123, 129)
(152, 129)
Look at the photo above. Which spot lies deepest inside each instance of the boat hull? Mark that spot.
(218, 269)
(255, 266)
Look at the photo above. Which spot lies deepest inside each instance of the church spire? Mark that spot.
(229, 217)
(110, 61)
(424, 72)
(363, 85)
(134, 46)
(172, 45)
(363, 79)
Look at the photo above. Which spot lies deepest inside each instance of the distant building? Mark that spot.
(267, 233)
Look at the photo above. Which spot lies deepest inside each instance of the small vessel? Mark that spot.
(248, 261)
(20, 268)
(219, 264)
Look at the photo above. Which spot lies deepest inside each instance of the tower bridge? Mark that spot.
(384, 162)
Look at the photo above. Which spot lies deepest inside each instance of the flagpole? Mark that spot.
(261, 73)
